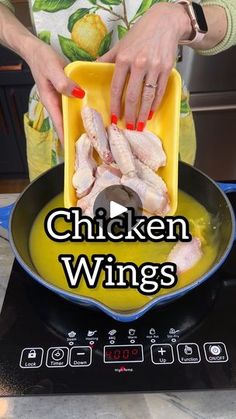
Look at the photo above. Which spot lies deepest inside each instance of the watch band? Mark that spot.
(198, 35)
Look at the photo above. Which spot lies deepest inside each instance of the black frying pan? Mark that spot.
(50, 184)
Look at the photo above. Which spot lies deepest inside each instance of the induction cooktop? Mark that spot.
(51, 346)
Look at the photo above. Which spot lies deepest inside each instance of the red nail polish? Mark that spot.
(114, 118)
(151, 113)
(140, 126)
(130, 126)
(78, 92)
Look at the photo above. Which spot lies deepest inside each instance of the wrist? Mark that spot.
(27, 46)
(177, 17)
(185, 29)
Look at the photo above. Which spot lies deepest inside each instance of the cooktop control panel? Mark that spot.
(159, 354)
(50, 346)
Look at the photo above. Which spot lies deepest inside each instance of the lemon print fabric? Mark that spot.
(85, 29)
(88, 33)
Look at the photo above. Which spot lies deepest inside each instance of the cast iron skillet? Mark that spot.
(50, 184)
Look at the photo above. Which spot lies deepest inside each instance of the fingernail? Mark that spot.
(78, 92)
(150, 115)
(140, 126)
(114, 118)
(130, 126)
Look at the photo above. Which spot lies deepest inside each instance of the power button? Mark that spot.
(216, 352)
(215, 349)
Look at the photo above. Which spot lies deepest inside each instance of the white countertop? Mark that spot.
(184, 405)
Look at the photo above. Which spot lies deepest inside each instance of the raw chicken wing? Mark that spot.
(121, 150)
(85, 166)
(186, 254)
(153, 201)
(95, 129)
(147, 148)
(145, 173)
(107, 178)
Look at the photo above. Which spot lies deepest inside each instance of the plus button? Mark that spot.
(162, 354)
(161, 351)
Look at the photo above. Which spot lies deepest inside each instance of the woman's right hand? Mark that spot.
(47, 68)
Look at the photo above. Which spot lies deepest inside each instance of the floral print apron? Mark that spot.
(84, 30)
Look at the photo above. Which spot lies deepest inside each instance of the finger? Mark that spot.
(51, 99)
(117, 88)
(160, 91)
(66, 86)
(109, 57)
(133, 93)
(148, 96)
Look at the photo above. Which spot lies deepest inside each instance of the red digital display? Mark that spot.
(123, 353)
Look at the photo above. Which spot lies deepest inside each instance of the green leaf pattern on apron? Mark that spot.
(76, 16)
(184, 105)
(105, 44)
(52, 5)
(72, 51)
(144, 6)
(111, 2)
(45, 36)
(45, 125)
(122, 31)
(54, 158)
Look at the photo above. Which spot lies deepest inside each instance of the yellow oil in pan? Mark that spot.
(44, 253)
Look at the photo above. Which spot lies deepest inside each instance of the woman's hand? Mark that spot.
(46, 65)
(47, 68)
(147, 54)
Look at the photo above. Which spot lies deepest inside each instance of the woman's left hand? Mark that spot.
(146, 54)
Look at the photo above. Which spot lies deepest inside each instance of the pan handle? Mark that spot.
(228, 188)
(5, 213)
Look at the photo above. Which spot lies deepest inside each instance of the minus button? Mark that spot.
(80, 356)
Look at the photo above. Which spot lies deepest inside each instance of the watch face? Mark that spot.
(200, 17)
